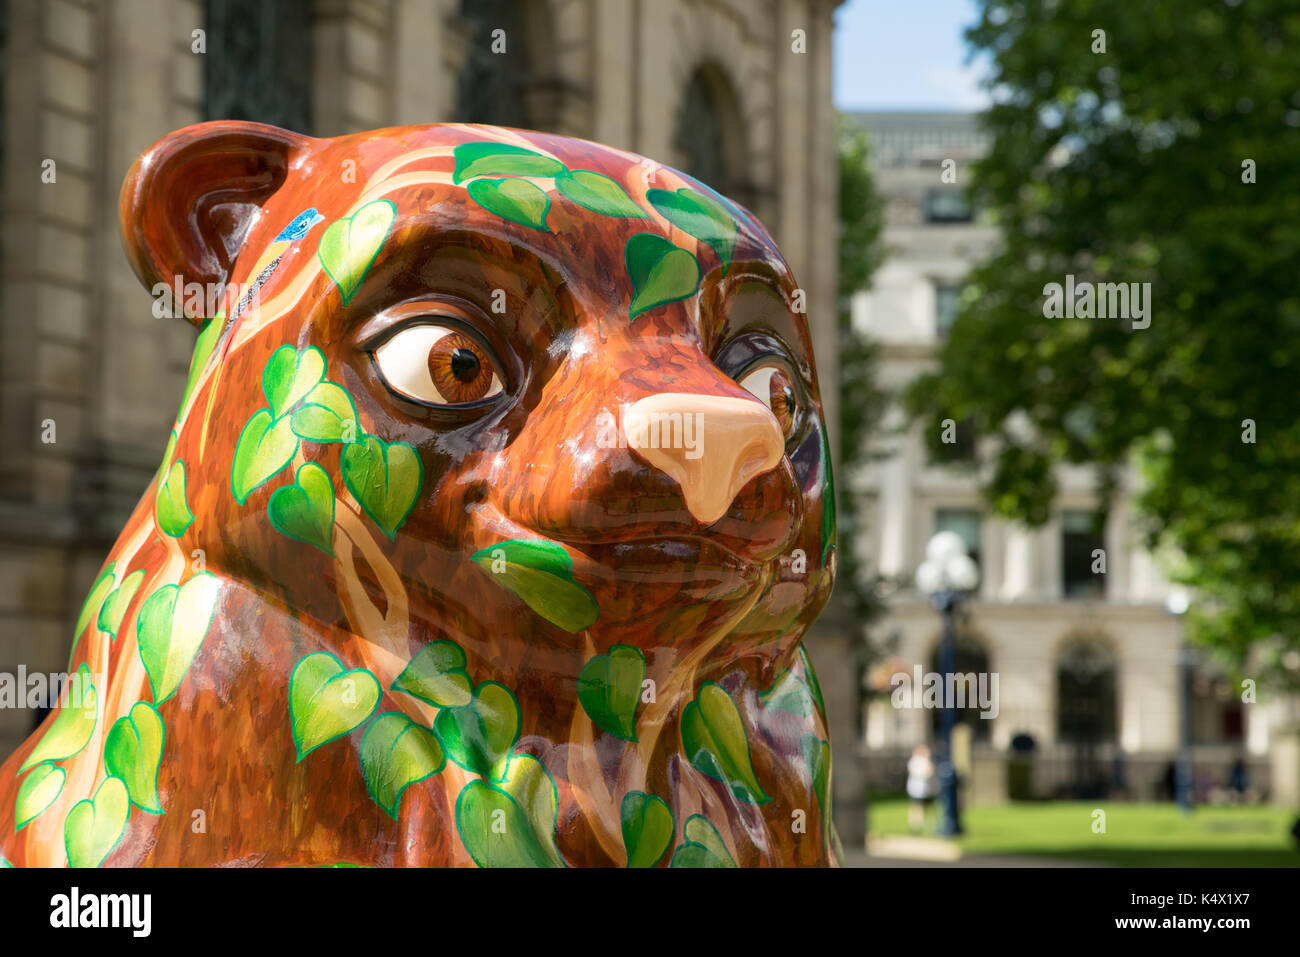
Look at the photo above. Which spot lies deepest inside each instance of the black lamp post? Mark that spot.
(945, 576)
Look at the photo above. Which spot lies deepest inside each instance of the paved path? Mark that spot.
(934, 852)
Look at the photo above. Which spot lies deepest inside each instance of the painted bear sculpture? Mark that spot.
(496, 506)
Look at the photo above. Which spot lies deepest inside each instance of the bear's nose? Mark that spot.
(710, 445)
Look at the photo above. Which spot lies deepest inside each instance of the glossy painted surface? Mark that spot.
(469, 546)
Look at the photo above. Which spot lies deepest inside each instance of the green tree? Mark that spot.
(1135, 165)
(862, 402)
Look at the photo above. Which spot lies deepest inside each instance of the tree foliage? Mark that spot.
(1130, 165)
(862, 402)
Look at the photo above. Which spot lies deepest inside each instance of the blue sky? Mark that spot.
(905, 55)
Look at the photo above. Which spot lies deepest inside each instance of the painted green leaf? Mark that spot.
(385, 478)
(501, 159)
(647, 828)
(171, 511)
(529, 782)
(396, 753)
(209, 334)
(788, 693)
(703, 846)
(265, 446)
(828, 500)
(736, 211)
(437, 675)
(133, 752)
(327, 702)
(168, 451)
(115, 606)
(162, 477)
(36, 793)
(598, 193)
(660, 272)
(715, 742)
(170, 508)
(817, 755)
(609, 687)
(304, 511)
(701, 216)
(90, 607)
(478, 736)
(339, 864)
(326, 415)
(349, 246)
(171, 626)
(511, 824)
(541, 574)
(290, 375)
(94, 826)
(73, 723)
(514, 199)
(494, 829)
(316, 423)
(811, 675)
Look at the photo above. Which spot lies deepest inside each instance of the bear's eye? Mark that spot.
(773, 385)
(437, 365)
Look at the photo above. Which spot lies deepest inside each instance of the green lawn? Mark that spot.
(1137, 835)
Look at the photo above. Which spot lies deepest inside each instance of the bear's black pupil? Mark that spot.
(464, 365)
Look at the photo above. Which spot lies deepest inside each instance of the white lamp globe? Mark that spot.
(929, 578)
(944, 546)
(1177, 602)
(963, 573)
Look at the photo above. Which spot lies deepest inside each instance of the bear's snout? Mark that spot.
(710, 445)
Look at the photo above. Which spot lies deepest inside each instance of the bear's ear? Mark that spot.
(189, 199)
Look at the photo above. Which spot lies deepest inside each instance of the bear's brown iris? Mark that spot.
(459, 368)
(783, 401)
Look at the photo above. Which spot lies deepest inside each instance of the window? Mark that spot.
(969, 657)
(1217, 714)
(1086, 700)
(1087, 713)
(945, 307)
(1081, 536)
(947, 206)
(491, 86)
(259, 62)
(699, 133)
(962, 446)
(710, 136)
(965, 522)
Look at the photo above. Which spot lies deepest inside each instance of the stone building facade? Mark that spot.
(1090, 660)
(737, 92)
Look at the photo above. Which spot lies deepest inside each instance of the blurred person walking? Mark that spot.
(922, 785)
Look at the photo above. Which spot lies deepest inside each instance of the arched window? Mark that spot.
(970, 658)
(1086, 713)
(259, 62)
(710, 135)
(1086, 699)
